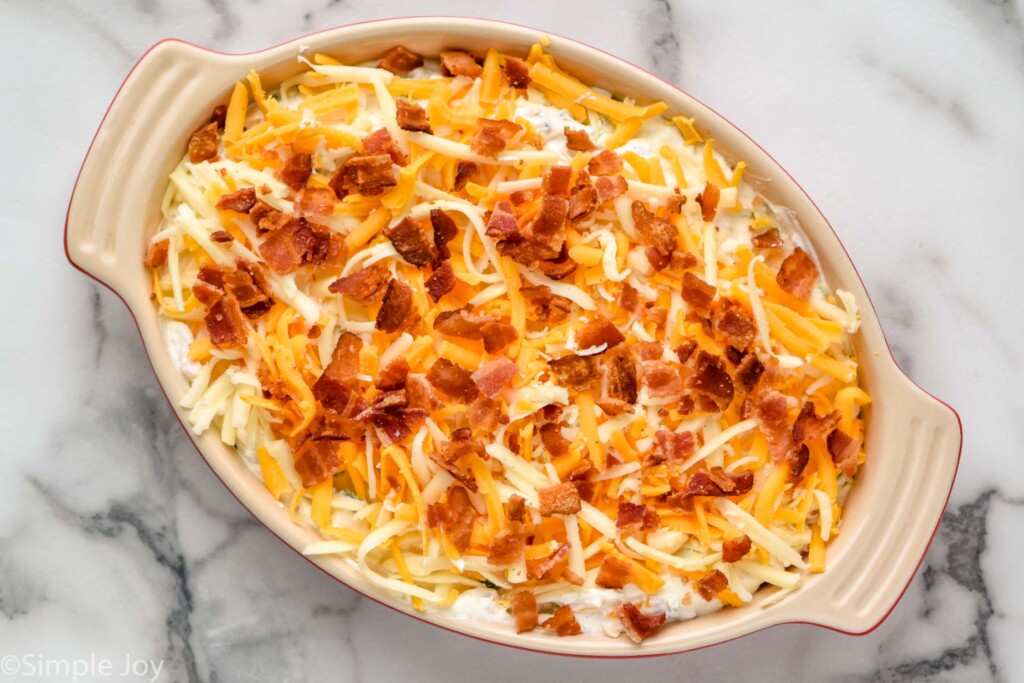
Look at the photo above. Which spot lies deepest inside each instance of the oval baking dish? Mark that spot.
(913, 442)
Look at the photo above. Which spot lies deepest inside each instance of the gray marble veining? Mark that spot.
(902, 121)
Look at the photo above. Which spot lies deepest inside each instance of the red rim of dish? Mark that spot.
(639, 655)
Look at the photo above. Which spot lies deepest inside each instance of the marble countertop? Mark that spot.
(117, 542)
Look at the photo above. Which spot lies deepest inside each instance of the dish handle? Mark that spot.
(134, 150)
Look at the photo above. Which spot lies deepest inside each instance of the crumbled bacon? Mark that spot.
(241, 201)
(685, 350)
(524, 610)
(716, 483)
(202, 146)
(660, 379)
(609, 187)
(614, 572)
(810, 426)
(266, 218)
(367, 284)
(368, 175)
(280, 250)
(634, 517)
(733, 326)
(556, 180)
(221, 236)
(637, 625)
(605, 162)
(239, 284)
(206, 293)
(395, 310)
(551, 436)
(735, 549)
(219, 115)
(545, 306)
(657, 232)
(844, 450)
(522, 197)
(599, 330)
(658, 260)
(491, 377)
(393, 375)
(578, 140)
(698, 294)
(711, 584)
(683, 260)
(562, 499)
(212, 274)
(772, 409)
(548, 226)
(226, 323)
(749, 371)
(459, 63)
(497, 336)
(583, 199)
(507, 547)
(315, 201)
(797, 274)
(563, 622)
(574, 372)
(412, 242)
(502, 224)
(711, 379)
(708, 200)
(156, 254)
(618, 383)
(296, 171)
(441, 281)
(676, 446)
(412, 117)
(483, 414)
(445, 231)
(516, 71)
(316, 463)
(516, 508)
(457, 518)
(453, 380)
(400, 60)
(380, 142)
(492, 135)
(767, 239)
(420, 393)
(461, 323)
(463, 172)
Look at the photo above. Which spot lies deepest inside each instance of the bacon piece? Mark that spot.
(809, 426)
(658, 260)
(660, 379)
(459, 63)
(562, 499)
(329, 249)
(212, 274)
(563, 622)
(735, 549)
(206, 293)
(497, 336)
(844, 450)
(715, 483)
(771, 409)
(767, 239)
(710, 379)
(491, 377)
(296, 171)
(452, 452)
(545, 306)
(551, 436)
(609, 187)
(637, 625)
(333, 388)
(578, 140)
(797, 274)
(239, 284)
(502, 224)
(698, 294)
(241, 201)
(733, 326)
(517, 72)
(548, 226)
(400, 60)
(749, 371)
(685, 350)
(614, 572)
(156, 254)
(522, 197)
(368, 284)
(420, 393)
(507, 547)
(583, 199)
(280, 250)
(368, 175)
(464, 171)
(524, 609)
(267, 219)
(492, 136)
(556, 180)
(412, 242)
(559, 268)
(599, 330)
(683, 260)
(605, 162)
(412, 117)
(676, 446)
(574, 372)
(441, 281)
(516, 508)
(708, 200)
(393, 375)
(221, 236)
(711, 584)
(458, 517)
(657, 232)
(637, 517)
(483, 414)
(797, 459)
(219, 116)
(202, 146)
(445, 231)
(226, 323)
(315, 201)
(460, 323)
(380, 142)
(395, 425)
(316, 463)
(396, 307)
(653, 350)
(618, 383)
(453, 380)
